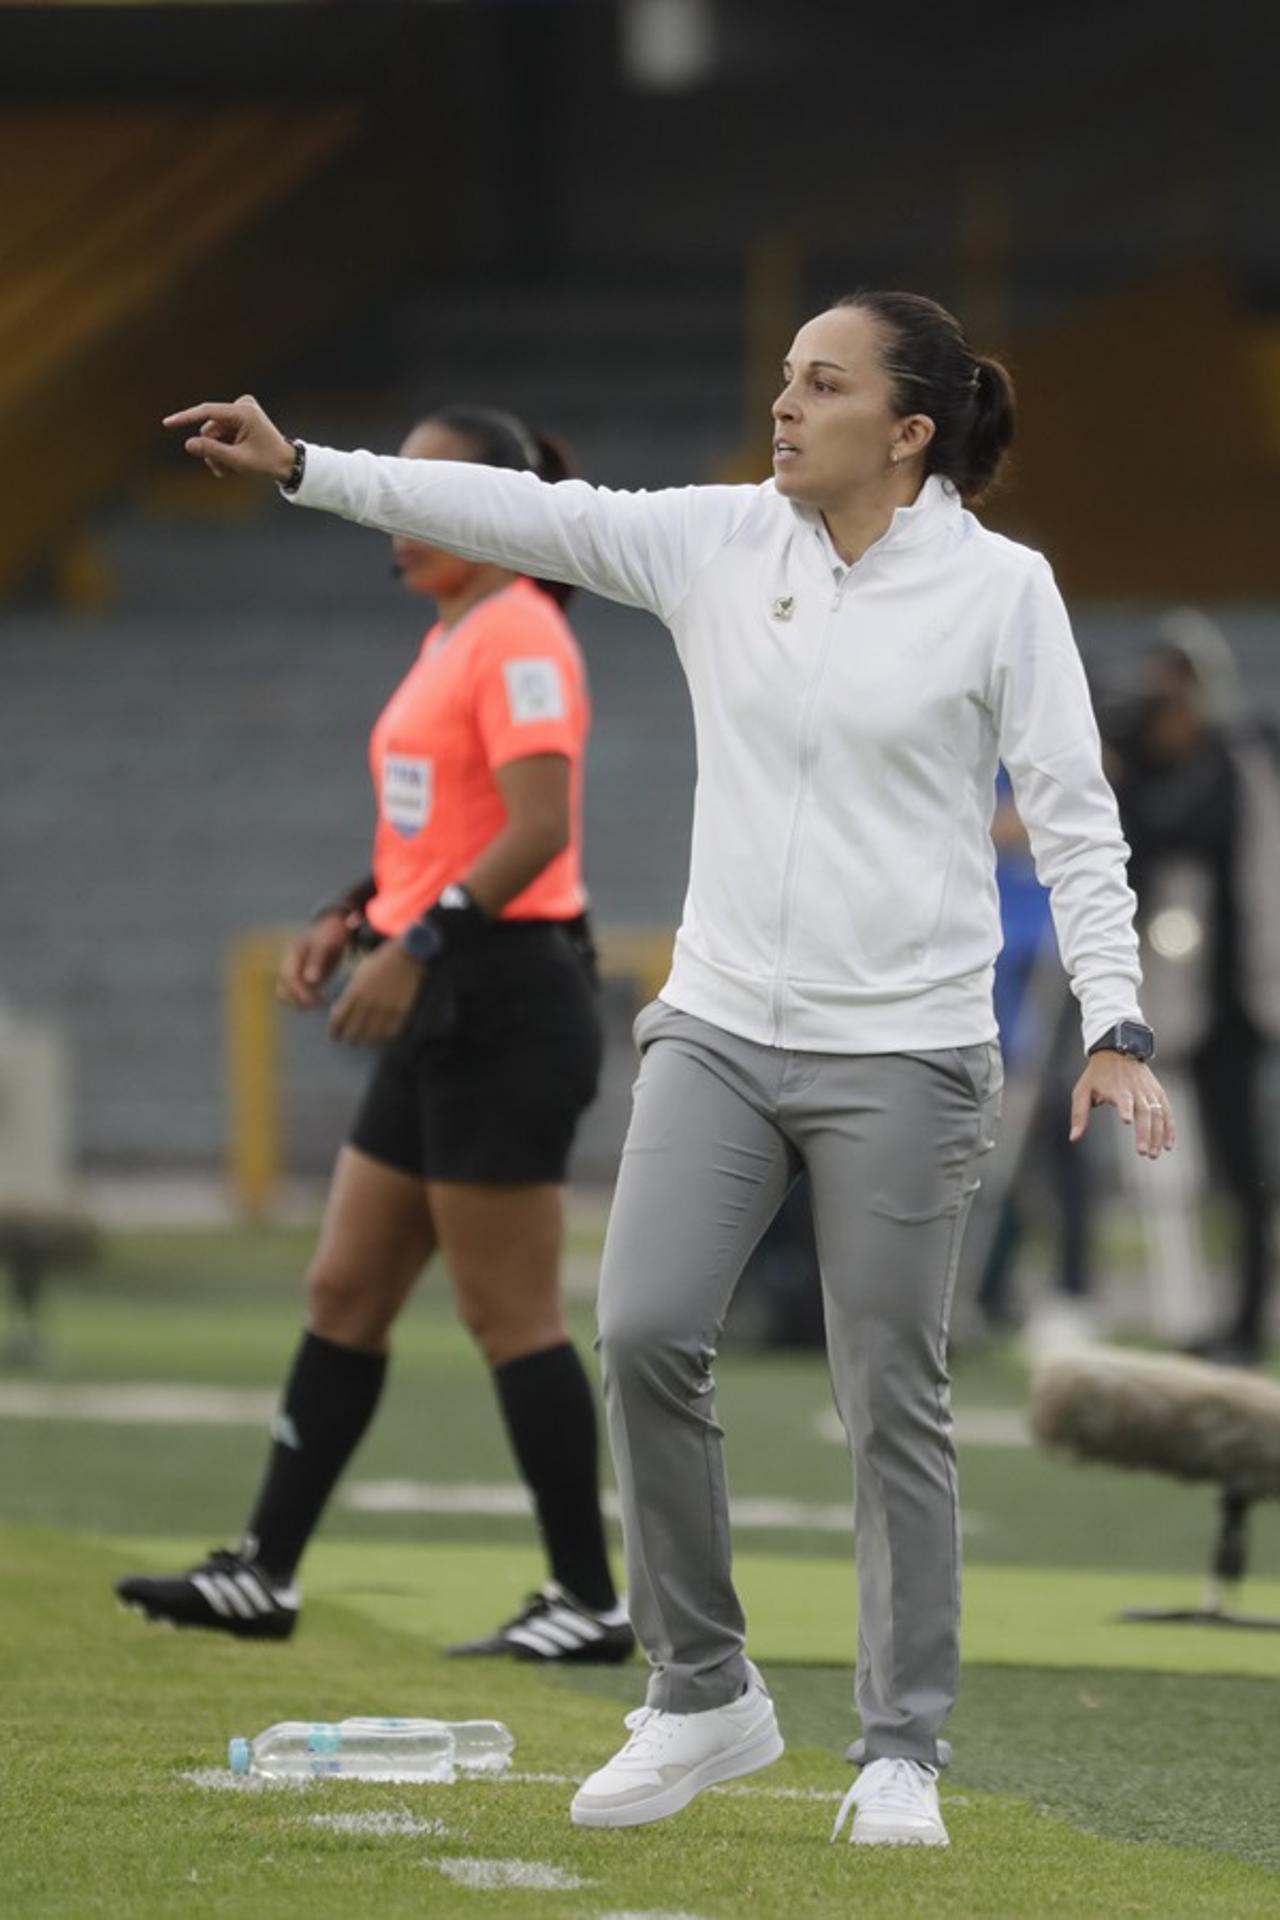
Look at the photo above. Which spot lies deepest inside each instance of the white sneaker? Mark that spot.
(896, 1804)
(671, 1757)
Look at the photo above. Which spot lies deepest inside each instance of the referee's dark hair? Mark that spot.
(502, 439)
(934, 371)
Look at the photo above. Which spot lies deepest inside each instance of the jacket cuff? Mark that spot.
(326, 481)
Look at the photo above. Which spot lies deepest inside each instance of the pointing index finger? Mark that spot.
(194, 416)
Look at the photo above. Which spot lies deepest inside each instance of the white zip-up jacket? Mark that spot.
(849, 719)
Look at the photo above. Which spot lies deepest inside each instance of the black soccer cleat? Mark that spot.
(228, 1592)
(552, 1625)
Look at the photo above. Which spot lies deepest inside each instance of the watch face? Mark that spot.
(1134, 1039)
(1127, 1036)
(421, 941)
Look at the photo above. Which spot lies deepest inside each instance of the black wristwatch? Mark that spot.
(1127, 1036)
(454, 917)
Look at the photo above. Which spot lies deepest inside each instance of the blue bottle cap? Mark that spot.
(238, 1755)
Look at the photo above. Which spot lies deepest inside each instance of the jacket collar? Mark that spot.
(936, 509)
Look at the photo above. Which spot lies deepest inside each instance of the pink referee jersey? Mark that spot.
(507, 682)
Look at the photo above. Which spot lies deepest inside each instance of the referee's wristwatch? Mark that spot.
(1127, 1036)
(455, 914)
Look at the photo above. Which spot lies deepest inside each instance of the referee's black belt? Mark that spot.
(365, 937)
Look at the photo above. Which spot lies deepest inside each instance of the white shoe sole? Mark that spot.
(901, 1837)
(761, 1751)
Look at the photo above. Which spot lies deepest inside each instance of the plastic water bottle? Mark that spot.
(478, 1746)
(391, 1750)
(481, 1746)
(403, 1751)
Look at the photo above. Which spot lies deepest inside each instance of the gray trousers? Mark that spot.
(892, 1143)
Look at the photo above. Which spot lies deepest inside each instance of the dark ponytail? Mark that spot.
(933, 370)
(502, 439)
(991, 434)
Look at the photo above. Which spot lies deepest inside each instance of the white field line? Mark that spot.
(424, 1496)
(146, 1403)
(975, 1427)
(780, 1793)
(470, 1497)
(488, 1875)
(141, 1404)
(493, 1499)
(175, 1403)
(222, 1780)
(766, 1513)
(383, 1826)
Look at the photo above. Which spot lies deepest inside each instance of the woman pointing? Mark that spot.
(860, 652)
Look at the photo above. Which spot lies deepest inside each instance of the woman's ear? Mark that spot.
(914, 434)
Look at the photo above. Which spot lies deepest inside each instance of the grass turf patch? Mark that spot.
(438, 1421)
(104, 1724)
(1101, 1768)
(800, 1610)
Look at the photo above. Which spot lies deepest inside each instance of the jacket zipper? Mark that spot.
(806, 757)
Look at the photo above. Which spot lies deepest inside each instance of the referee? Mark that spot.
(860, 653)
(477, 984)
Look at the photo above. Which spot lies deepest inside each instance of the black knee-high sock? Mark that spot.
(329, 1400)
(551, 1419)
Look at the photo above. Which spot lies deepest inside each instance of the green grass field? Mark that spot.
(1100, 1768)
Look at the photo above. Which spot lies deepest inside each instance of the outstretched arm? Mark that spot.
(644, 549)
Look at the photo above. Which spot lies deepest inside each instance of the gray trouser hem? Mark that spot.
(684, 1691)
(863, 1752)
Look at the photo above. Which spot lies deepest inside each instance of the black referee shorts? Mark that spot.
(495, 1064)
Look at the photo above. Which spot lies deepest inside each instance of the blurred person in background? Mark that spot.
(477, 983)
(860, 653)
(1037, 1044)
(1199, 793)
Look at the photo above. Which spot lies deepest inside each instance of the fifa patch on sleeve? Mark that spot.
(534, 691)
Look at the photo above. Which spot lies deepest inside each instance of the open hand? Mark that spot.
(235, 437)
(310, 961)
(1118, 1080)
(382, 990)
